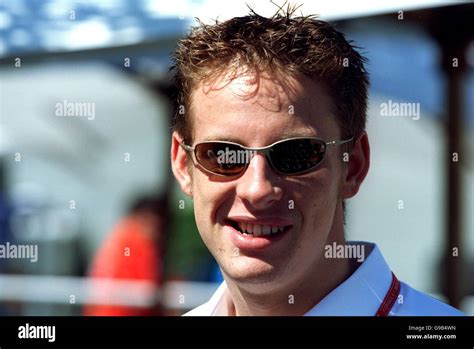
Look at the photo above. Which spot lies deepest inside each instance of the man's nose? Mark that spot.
(258, 185)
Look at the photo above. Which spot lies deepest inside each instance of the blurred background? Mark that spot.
(85, 110)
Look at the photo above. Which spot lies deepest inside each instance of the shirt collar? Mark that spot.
(359, 295)
(363, 292)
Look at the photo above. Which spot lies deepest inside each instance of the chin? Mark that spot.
(252, 270)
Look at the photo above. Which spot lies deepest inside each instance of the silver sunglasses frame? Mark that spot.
(265, 151)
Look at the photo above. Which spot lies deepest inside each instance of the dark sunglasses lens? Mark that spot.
(297, 155)
(222, 158)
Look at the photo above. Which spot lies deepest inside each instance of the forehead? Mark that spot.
(260, 108)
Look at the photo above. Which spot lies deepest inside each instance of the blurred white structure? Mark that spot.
(91, 167)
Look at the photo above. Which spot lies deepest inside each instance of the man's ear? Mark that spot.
(179, 164)
(357, 167)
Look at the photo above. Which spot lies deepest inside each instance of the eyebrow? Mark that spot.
(293, 134)
(221, 138)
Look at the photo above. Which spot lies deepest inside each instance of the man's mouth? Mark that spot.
(256, 229)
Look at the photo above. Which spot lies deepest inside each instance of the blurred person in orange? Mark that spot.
(134, 250)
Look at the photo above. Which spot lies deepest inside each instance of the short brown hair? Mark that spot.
(283, 43)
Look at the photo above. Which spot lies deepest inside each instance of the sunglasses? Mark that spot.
(292, 156)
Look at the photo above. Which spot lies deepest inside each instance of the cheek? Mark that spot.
(317, 199)
(210, 201)
(202, 199)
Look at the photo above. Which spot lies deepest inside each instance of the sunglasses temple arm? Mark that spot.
(340, 142)
(187, 147)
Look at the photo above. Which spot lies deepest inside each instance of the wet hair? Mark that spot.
(283, 44)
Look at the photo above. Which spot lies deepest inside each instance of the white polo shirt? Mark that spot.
(360, 295)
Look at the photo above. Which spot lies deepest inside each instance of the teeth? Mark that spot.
(259, 229)
(266, 230)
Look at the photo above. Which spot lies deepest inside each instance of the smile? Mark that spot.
(253, 235)
(257, 229)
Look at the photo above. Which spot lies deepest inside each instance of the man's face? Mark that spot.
(308, 206)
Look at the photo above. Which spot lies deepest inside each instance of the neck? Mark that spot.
(295, 299)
